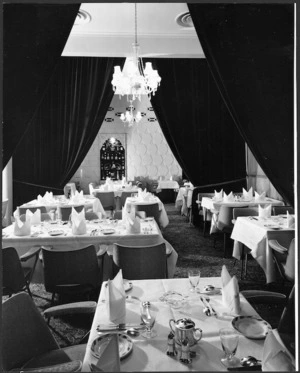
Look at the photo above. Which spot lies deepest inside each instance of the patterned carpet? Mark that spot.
(193, 250)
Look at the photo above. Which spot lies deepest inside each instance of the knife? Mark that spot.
(109, 328)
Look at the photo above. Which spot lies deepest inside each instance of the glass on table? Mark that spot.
(148, 316)
(194, 278)
(229, 341)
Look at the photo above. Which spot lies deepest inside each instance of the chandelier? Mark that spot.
(135, 79)
(129, 117)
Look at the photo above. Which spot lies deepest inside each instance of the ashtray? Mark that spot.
(173, 299)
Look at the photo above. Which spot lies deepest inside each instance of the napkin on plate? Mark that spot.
(218, 195)
(290, 220)
(248, 196)
(20, 228)
(34, 217)
(98, 208)
(260, 197)
(230, 292)
(275, 356)
(116, 299)
(264, 212)
(109, 360)
(228, 198)
(78, 222)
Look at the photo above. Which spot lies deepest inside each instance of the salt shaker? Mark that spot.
(185, 352)
(171, 345)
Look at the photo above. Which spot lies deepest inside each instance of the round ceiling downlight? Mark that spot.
(82, 18)
(184, 20)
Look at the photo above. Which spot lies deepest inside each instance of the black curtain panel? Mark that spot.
(34, 36)
(249, 49)
(196, 123)
(64, 127)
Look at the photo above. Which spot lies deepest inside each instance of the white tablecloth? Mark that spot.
(214, 207)
(167, 184)
(163, 217)
(184, 199)
(118, 189)
(150, 355)
(255, 234)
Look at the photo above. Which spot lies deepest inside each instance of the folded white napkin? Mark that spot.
(48, 197)
(264, 212)
(228, 198)
(276, 358)
(230, 292)
(133, 225)
(20, 228)
(98, 208)
(218, 195)
(248, 195)
(116, 299)
(109, 360)
(290, 220)
(40, 200)
(77, 197)
(260, 197)
(34, 217)
(78, 222)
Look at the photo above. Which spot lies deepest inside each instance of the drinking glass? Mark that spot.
(229, 341)
(194, 277)
(148, 316)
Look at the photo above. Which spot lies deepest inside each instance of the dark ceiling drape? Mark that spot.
(34, 36)
(249, 49)
(64, 127)
(197, 125)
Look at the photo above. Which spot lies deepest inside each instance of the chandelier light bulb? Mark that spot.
(129, 117)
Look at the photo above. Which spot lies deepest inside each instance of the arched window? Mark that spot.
(112, 159)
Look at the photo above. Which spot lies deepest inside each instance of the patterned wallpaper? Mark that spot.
(147, 152)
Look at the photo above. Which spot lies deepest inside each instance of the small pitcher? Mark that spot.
(185, 328)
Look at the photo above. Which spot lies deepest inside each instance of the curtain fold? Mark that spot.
(64, 126)
(34, 36)
(197, 124)
(249, 49)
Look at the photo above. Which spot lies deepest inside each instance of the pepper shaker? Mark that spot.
(185, 352)
(171, 345)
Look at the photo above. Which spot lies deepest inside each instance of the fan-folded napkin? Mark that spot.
(260, 197)
(77, 197)
(132, 222)
(218, 195)
(264, 212)
(34, 217)
(78, 222)
(228, 198)
(230, 292)
(116, 299)
(40, 200)
(20, 228)
(275, 356)
(290, 220)
(248, 196)
(109, 360)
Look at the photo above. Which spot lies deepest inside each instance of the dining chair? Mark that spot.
(118, 214)
(203, 212)
(140, 262)
(151, 210)
(283, 250)
(28, 341)
(4, 211)
(64, 212)
(107, 199)
(280, 210)
(225, 224)
(70, 272)
(17, 277)
(22, 210)
(69, 188)
(44, 217)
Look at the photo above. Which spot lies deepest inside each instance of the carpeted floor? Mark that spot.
(193, 250)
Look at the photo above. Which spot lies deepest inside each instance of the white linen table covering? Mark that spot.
(255, 234)
(118, 189)
(163, 217)
(214, 207)
(184, 199)
(167, 184)
(150, 355)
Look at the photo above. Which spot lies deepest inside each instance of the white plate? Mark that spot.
(127, 285)
(108, 231)
(251, 327)
(56, 232)
(99, 344)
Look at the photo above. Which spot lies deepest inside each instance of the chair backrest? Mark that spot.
(151, 210)
(64, 212)
(44, 217)
(22, 210)
(201, 195)
(289, 266)
(141, 262)
(225, 218)
(69, 188)
(13, 274)
(4, 208)
(65, 267)
(107, 199)
(89, 215)
(124, 195)
(118, 214)
(25, 333)
(244, 211)
(279, 210)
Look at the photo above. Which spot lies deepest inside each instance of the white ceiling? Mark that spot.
(110, 32)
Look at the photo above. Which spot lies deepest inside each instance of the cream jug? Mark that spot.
(185, 328)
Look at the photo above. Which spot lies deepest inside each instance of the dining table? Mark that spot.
(102, 233)
(212, 206)
(167, 184)
(151, 354)
(255, 233)
(118, 189)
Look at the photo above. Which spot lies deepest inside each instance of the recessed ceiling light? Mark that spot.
(83, 17)
(184, 20)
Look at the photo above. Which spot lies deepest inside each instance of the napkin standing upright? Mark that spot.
(78, 222)
(218, 195)
(228, 198)
(290, 221)
(116, 299)
(20, 228)
(260, 197)
(264, 212)
(230, 292)
(34, 217)
(248, 196)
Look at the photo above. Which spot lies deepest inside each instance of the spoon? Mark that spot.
(206, 309)
(249, 361)
(132, 332)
